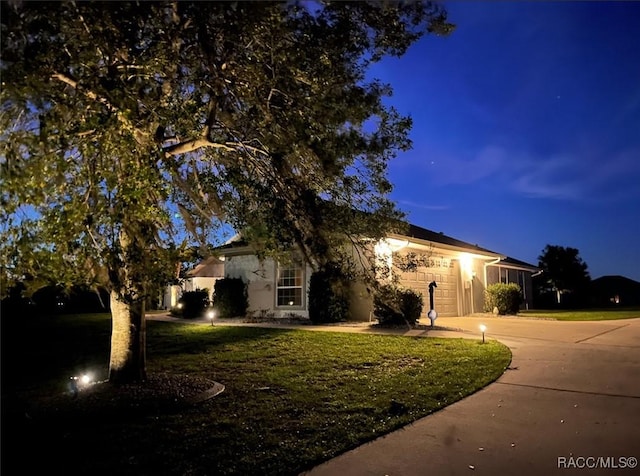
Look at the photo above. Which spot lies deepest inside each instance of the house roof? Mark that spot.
(420, 233)
(239, 246)
(516, 263)
(207, 268)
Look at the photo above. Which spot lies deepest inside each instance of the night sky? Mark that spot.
(526, 130)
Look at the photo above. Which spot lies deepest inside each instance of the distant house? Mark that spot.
(615, 290)
(460, 270)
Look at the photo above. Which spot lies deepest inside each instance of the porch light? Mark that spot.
(466, 265)
(483, 328)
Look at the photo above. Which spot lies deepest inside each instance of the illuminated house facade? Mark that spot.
(460, 270)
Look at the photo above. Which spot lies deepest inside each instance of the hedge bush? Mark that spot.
(394, 306)
(506, 298)
(193, 304)
(230, 298)
(328, 296)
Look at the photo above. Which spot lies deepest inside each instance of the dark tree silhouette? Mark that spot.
(563, 272)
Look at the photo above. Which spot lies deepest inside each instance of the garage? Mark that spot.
(445, 297)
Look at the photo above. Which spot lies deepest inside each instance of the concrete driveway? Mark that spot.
(569, 404)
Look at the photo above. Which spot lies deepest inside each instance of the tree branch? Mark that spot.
(195, 144)
(139, 134)
(90, 94)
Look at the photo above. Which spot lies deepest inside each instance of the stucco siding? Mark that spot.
(361, 303)
(258, 277)
(261, 279)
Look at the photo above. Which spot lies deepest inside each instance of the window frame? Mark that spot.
(298, 267)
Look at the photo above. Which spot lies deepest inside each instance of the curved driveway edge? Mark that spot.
(569, 403)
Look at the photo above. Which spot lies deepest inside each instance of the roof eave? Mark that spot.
(475, 253)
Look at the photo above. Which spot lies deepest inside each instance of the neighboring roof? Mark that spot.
(616, 280)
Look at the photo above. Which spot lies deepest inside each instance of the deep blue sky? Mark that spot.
(526, 130)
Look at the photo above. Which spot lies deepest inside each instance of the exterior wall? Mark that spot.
(361, 303)
(261, 279)
(171, 296)
(361, 300)
(472, 287)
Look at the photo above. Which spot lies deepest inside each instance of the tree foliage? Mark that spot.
(395, 306)
(563, 271)
(128, 126)
(329, 295)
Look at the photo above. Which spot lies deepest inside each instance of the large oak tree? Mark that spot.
(126, 125)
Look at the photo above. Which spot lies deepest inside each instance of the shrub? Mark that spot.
(394, 306)
(193, 304)
(506, 298)
(328, 296)
(230, 298)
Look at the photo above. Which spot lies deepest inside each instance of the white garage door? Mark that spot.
(445, 297)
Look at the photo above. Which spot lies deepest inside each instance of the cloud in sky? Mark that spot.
(572, 176)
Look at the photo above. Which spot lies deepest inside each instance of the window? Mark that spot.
(289, 285)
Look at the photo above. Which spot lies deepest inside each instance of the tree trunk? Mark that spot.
(128, 347)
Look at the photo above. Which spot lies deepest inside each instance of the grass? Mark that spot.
(293, 398)
(584, 315)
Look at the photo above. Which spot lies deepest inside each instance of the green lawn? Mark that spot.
(293, 398)
(584, 315)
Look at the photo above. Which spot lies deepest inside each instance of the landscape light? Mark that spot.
(483, 328)
(211, 314)
(78, 382)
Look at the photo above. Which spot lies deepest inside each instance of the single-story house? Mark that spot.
(460, 270)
